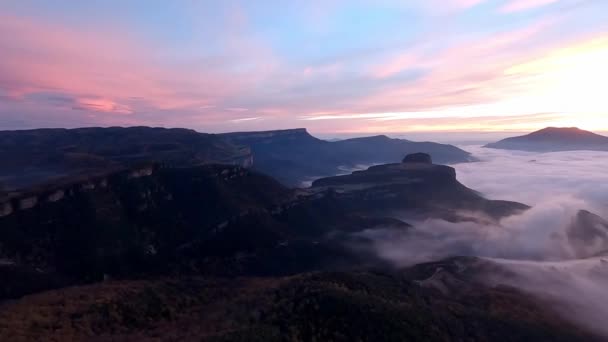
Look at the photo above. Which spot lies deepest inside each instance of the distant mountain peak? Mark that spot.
(563, 131)
(553, 139)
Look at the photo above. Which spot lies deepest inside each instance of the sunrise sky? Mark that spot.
(328, 65)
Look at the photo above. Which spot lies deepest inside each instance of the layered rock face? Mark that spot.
(415, 184)
(32, 157)
(220, 252)
(126, 222)
(160, 217)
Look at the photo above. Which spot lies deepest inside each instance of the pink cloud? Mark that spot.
(523, 5)
(102, 105)
(450, 79)
(395, 65)
(110, 71)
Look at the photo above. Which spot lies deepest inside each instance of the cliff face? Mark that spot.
(33, 157)
(217, 219)
(270, 136)
(139, 253)
(126, 221)
(431, 189)
(213, 219)
(58, 189)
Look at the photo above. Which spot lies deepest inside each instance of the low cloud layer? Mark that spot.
(535, 245)
(556, 185)
(536, 178)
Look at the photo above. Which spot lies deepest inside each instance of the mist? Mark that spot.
(534, 178)
(538, 245)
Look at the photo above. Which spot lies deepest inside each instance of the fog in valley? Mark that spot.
(539, 246)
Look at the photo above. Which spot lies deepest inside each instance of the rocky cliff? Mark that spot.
(217, 219)
(33, 157)
(415, 184)
(126, 221)
(221, 252)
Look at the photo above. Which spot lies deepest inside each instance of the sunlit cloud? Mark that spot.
(237, 109)
(523, 5)
(331, 66)
(102, 105)
(245, 119)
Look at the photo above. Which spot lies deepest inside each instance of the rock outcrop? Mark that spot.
(430, 189)
(423, 158)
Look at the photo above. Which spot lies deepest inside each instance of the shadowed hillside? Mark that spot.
(321, 306)
(293, 156)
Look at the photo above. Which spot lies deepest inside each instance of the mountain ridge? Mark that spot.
(554, 139)
(35, 156)
(140, 253)
(294, 156)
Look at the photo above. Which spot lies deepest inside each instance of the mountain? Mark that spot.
(136, 221)
(416, 184)
(293, 156)
(217, 219)
(32, 157)
(321, 306)
(554, 139)
(225, 253)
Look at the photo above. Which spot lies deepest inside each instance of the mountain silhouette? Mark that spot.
(554, 139)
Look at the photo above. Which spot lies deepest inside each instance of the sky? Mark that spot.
(332, 66)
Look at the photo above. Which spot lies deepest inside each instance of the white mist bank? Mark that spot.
(534, 178)
(533, 245)
(556, 185)
(576, 288)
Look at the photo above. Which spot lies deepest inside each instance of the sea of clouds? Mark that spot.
(556, 185)
(533, 244)
(537, 178)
